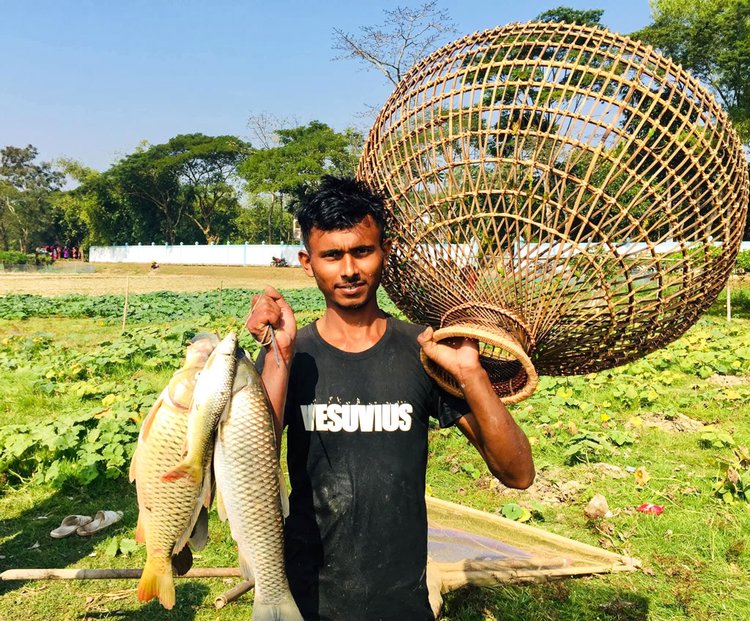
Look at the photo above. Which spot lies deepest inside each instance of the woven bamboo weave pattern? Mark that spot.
(564, 187)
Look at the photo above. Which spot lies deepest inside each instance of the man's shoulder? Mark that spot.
(406, 328)
(306, 334)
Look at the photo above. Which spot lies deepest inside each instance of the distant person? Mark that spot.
(66, 252)
(154, 265)
(74, 252)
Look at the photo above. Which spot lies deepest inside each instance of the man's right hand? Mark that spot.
(270, 309)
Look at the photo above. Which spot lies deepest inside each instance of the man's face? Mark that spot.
(347, 264)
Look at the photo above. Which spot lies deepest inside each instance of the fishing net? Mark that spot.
(565, 195)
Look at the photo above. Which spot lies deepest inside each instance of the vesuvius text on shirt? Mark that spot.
(357, 417)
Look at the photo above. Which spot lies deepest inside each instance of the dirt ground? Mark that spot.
(114, 277)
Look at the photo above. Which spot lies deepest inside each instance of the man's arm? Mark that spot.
(489, 426)
(270, 309)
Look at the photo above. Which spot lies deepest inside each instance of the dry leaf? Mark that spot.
(642, 477)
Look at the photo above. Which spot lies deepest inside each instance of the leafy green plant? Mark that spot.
(733, 482)
(743, 261)
(586, 446)
(711, 437)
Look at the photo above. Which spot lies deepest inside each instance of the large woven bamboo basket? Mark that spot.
(563, 194)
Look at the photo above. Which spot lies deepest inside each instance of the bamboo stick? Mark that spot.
(729, 300)
(232, 594)
(221, 288)
(109, 574)
(125, 307)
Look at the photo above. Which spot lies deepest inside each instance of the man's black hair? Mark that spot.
(339, 203)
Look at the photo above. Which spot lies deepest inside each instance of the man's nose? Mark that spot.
(348, 266)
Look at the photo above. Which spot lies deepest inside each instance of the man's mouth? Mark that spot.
(351, 286)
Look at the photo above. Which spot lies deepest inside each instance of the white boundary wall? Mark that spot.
(251, 254)
(215, 254)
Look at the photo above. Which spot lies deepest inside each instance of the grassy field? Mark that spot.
(665, 430)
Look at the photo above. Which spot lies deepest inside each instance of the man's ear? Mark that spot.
(304, 260)
(386, 245)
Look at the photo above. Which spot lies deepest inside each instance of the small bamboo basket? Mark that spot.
(564, 195)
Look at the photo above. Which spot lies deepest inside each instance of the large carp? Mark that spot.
(210, 398)
(169, 512)
(249, 488)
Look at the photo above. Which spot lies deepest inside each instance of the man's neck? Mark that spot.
(354, 330)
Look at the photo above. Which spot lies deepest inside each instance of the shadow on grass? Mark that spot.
(25, 543)
(560, 600)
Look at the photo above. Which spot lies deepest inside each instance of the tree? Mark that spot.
(591, 17)
(207, 169)
(25, 190)
(288, 171)
(251, 224)
(406, 36)
(711, 38)
(150, 181)
(189, 177)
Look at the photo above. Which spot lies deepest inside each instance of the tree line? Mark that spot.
(192, 188)
(216, 189)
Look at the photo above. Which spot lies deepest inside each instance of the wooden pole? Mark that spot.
(221, 288)
(109, 574)
(729, 300)
(125, 307)
(233, 593)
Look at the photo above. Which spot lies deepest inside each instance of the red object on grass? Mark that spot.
(647, 507)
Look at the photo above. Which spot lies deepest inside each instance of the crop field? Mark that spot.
(669, 430)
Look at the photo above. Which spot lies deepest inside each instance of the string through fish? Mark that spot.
(269, 336)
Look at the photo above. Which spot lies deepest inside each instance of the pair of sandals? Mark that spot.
(85, 525)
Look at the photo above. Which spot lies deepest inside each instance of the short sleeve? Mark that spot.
(450, 408)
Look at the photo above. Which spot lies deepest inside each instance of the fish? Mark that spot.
(170, 513)
(251, 494)
(210, 398)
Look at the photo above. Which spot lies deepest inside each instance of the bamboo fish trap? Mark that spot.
(565, 195)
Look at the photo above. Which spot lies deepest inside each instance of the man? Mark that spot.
(356, 401)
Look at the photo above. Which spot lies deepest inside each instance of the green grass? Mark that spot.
(696, 554)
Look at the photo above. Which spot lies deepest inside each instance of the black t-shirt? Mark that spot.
(356, 536)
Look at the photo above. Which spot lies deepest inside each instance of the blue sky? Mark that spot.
(90, 79)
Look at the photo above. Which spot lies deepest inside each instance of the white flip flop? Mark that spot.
(70, 525)
(102, 519)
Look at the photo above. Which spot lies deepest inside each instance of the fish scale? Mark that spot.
(247, 473)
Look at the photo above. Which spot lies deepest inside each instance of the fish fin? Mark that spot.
(286, 610)
(185, 468)
(220, 508)
(200, 508)
(246, 567)
(150, 418)
(199, 536)
(283, 495)
(207, 489)
(156, 581)
(140, 530)
(182, 561)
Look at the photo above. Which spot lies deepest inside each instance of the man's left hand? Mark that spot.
(459, 356)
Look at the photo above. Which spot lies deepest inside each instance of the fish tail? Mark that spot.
(157, 581)
(285, 611)
(186, 468)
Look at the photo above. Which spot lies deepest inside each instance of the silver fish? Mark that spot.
(249, 490)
